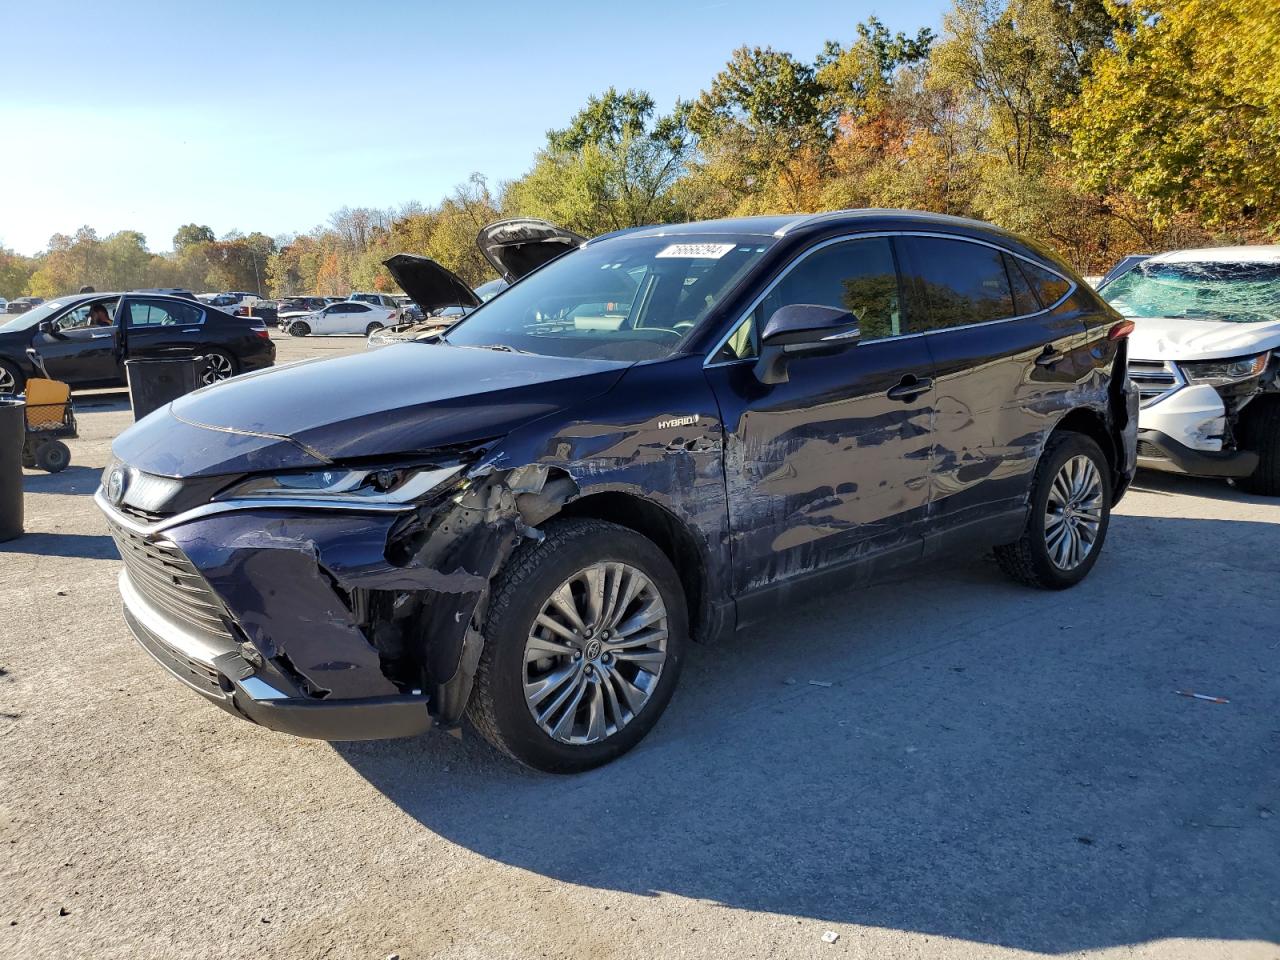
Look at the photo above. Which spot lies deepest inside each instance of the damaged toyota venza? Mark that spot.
(650, 438)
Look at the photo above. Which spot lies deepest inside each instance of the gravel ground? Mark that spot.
(981, 771)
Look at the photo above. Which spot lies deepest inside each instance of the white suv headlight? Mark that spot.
(1219, 372)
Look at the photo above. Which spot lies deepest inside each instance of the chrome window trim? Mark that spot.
(1072, 286)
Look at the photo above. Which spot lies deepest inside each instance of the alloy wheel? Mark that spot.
(7, 382)
(217, 367)
(1073, 514)
(595, 652)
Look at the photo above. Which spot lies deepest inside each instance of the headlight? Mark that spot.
(1219, 372)
(385, 485)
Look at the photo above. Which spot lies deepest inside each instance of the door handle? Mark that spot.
(910, 387)
(96, 335)
(1050, 356)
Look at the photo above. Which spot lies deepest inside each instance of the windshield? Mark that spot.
(28, 320)
(626, 299)
(1207, 290)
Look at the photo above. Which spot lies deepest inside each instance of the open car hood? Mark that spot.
(428, 284)
(519, 246)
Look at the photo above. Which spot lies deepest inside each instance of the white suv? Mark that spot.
(1203, 355)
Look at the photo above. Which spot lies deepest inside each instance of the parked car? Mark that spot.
(23, 304)
(1123, 266)
(252, 306)
(344, 317)
(167, 291)
(383, 300)
(513, 247)
(77, 347)
(1205, 355)
(4, 303)
(654, 438)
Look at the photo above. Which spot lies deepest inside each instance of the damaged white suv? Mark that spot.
(1204, 356)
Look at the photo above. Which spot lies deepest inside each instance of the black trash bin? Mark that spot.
(13, 433)
(155, 382)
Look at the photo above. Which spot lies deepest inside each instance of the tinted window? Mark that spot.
(856, 275)
(955, 283)
(162, 313)
(1048, 285)
(357, 308)
(1024, 300)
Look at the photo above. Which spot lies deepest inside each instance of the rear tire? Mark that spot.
(371, 329)
(11, 379)
(1065, 527)
(218, 365)
(601, 674)
(1260, 432)
(299, 328)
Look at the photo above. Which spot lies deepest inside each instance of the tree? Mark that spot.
(1184, 112)
(614, 166)
(190, 234)
(857, 79)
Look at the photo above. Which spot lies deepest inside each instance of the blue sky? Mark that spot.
(270, 115)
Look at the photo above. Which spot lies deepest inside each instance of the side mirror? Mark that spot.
(802, 328)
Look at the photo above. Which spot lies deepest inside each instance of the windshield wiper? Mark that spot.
(504, 347)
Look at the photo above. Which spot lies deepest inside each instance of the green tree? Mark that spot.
(1184, 112)
(190, 234)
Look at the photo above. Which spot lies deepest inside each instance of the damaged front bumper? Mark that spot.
(333, 621)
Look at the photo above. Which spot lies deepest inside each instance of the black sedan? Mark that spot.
(653, 438)
(84, 339)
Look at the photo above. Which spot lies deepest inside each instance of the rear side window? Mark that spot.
(1024, 300)
(163, 313)
(1050, 287)
(954, 283)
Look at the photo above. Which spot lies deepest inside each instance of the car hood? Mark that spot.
(405, 398)
(1176, 338)
(428, 284)
(520, 246)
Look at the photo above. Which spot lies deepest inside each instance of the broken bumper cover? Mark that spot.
(221, 675)
(335, 622)
(1159, 451)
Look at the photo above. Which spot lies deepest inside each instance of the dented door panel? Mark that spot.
(824, 469)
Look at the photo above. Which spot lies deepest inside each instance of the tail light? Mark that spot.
(1121, 330)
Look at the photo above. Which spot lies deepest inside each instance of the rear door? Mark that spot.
(1004, 365)
(162, 327)
(830, 468)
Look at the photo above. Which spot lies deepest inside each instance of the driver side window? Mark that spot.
(855, 275)
(85, 316)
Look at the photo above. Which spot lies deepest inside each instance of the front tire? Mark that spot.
(1260, 432)
(1069, 514)
(584, 640)
(299, 329)
(11, 379)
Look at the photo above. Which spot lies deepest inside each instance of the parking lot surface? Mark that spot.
(945, 765)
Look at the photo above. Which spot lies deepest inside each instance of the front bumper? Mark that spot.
(266, 613)
(1159, 451)
(221, 675)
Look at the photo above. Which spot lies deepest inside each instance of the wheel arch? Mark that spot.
(669, 533)
(1092, 424)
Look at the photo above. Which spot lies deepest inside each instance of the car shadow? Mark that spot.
(74, 479)
(1161, 483)
(82, 545)
(948, 753)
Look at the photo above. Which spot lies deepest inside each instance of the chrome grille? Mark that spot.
(169, 582)
(1155, 379)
